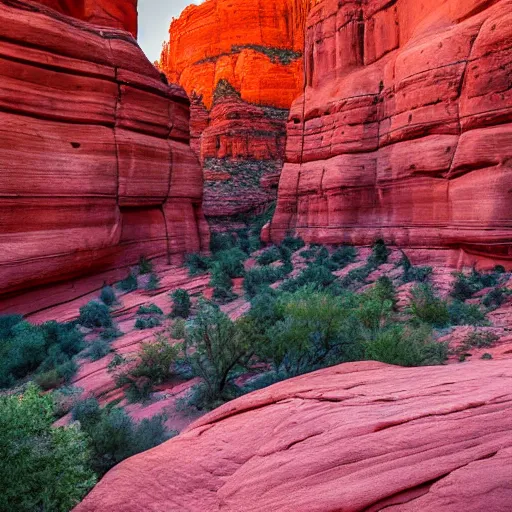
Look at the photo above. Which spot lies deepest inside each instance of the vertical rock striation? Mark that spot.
(241, 63)
(96, 168)
(405, 128)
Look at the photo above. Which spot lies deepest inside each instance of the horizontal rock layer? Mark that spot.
(356, 437)
(405, 128)
(252, 51)
(96, 168)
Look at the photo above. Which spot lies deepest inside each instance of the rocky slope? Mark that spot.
(96, 168)
(404, 130)
(360, 436)
(241, 64)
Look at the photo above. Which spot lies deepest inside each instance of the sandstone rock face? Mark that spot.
(405, 128)
(108, 13)
(357, 437)
(240, 61)
(96, 168)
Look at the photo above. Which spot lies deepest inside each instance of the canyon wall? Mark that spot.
(241, 63)
(95, 163)
(405, 128)
(107, 13)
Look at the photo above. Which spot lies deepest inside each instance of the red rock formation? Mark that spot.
(360, 436)
(107, 13)
(96, 169)
(241, 62)
(404, 131)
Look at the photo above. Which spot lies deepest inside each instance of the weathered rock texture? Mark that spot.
(108, 13)
(404, 131)
(95, 166)
(240, 61)
(360, 436)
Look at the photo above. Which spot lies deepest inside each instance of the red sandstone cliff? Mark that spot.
(356, 437)
(241, 63)
(96, 168)
(405, 128)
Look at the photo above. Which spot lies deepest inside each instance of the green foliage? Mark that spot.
(149, 309)
(414, 274)
(145, 266)
(115, 436)
(479, 339)
(380, 254)
(231, 262)
(129, 283)
(7, 323)
(45, 349)
(406, 345)
(357, 276)
(98, 350)
(344, 255)
(499, 269)
(181, 304)
(153, 282)
(384, 290)
(427, 307)
(108, 296)
(466, 314)
(293, 243)
(316, 275)
(465, 286)
(43, 468)
(110, 333)
(95, 315)
(257, 278)
(222, 242)
(486, 356)
(213, 347)
(269, 256)
(197, 264)
(178, 329)
(222, 285)
(147, 323)
(495, 298)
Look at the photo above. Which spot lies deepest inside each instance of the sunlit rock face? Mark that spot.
(96, 167)
(405, 128)
(356, 437)
(241, 63)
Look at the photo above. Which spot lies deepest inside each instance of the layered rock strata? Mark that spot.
(405, 128)
(96, 168)
(241, 64)
(356, 437)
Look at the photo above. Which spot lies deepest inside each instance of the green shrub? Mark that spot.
(181, 304)
(95, 314)
(486, 356)
(478, 339)
(153, 283)
(110, 333)
(69, 339)
(317, 275)
(222, 242)
(7, 322)
(269, 256)
(149, 309)
(98, 350)
(197, 264)
(178, 329)
(406, 346)
(414, 274)
(213, 347)
(129, 284)
(293, 243)
(115, 436)
(427, 307)
(384, 290)
(466, 314)
(495, 298)
(87, 412)
(231, 262)
(499, 269)
(256, 278)
(465, 286)
(222, 285)
(379, 255)
(43, 468)
(147, 323)
(357, 276)
(344, 255)
(48, 380)
(108, 296)
(145, 266)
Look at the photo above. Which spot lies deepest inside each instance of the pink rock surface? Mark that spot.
(404, 130)
(360, 436)
(96, 169)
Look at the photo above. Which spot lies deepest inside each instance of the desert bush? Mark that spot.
(153, 282)
(465, 286)
(294, 243)
(222, 242)
(427, 307)
(181, 304)
(98, 350)
(316, 275)
(149, 309)
(270, 255)
(197, 264)
(256, 278)
(231, 262)
(406, 345)
(384, 290)
(95, 315)
(495, 298)
(178, 329)
(43, 468)
(379, 255)
(147, 323)
(129, 283)
(145, 266)
(344, 255)
(479, 339)
(222, 285)
(108, 296)
(461, 313)
(110, 333)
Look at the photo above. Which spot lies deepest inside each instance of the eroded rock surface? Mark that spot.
(360, 436)
(241, 62)
(96, 167)
(404, 131)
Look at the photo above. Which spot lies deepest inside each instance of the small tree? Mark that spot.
(213, 347)
(181, 304)
(222, 285)
(95, 314)
(108, 295)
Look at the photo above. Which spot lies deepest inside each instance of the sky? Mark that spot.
(154, 19)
